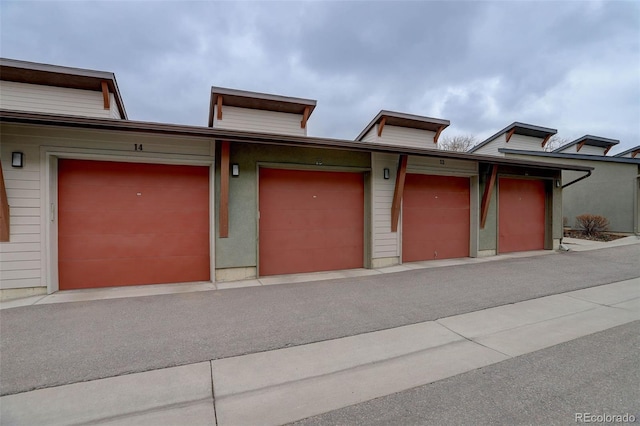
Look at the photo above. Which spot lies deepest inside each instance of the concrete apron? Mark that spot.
(286, 385)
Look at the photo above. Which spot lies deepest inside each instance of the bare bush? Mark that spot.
(591, 225)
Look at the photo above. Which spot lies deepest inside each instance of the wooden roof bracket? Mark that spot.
(223, 214)
(397, 192)
(635, 153)
(106, 99)
(4, 210)
(381, 125)
(486, 195)
(437, 135)
(546, 139)
(607, 150)
(219, 105)
(580, 145)
(510, 133)
(305, 117)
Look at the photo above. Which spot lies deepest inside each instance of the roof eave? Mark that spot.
(403, 116)
(265, 138)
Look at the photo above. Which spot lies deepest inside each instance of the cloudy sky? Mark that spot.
(573, 65)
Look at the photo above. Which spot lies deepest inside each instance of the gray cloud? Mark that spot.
(574, 66)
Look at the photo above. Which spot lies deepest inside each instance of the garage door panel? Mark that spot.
(435, 217)
(95, 173)
(130, 198)
(521, 215)
(274, 240)
(307, 219)
(81, 223)
(111, 246)
(127, 271)
(307, 199)
(113, 216)
(450, 200)
(310, 221)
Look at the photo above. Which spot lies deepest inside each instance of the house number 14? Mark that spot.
(137, 147)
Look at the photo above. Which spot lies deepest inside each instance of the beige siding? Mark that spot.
(385, 242)
(52, 100)
(585, 150)
(403, 136)
(492, 147)
(114, 111)
(22, 258)
(255, 120)
(371, 135)
(528, 143)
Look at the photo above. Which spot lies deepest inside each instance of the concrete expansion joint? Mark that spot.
(213, 393)
(360, 367)
(473, 341)
(606, 305)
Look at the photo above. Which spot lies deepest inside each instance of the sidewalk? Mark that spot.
(576, 244)
(285, 385)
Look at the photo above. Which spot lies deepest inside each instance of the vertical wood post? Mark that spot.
(397, 193)
(486, 196)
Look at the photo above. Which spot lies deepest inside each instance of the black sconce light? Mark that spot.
(235, 170)
(386, 173)
(17, 159)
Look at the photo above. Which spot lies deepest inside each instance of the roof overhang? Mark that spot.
(262, 138)
(518, 128)
(633, 152)
(571, 156)
(590, 140)
(262, 101)
(392, 118)
(58, 76)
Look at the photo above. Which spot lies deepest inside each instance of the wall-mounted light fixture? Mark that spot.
(17, 159)
(235, 170)
(557, 183)
(386, 173)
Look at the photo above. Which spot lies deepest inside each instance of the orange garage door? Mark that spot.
(521, 215)
(129, 224)
(310, 221)
(435, 217)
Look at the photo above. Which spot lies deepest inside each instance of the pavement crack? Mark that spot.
(473, 341)
(213, 394)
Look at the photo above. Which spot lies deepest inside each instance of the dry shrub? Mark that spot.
(591, 225)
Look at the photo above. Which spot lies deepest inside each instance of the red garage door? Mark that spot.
(435, 217)
(521, 213)
(310, 221)
(129, 224)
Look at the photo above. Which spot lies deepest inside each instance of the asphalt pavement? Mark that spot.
(290, 384)
(596, 375)
(56, 344)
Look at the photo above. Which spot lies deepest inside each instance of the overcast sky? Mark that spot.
(573, 66)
